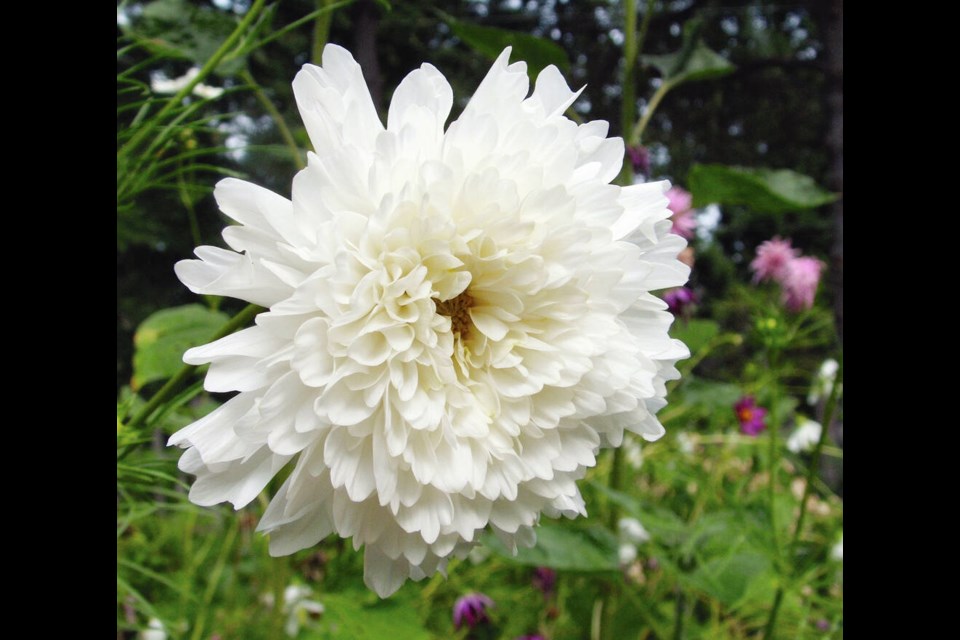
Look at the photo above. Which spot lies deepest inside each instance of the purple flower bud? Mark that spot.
(471, 610)
(680, 301)
(544, 579)
(639, 158)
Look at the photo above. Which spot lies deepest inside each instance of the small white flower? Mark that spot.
(686, 443)
(632, 531)
(627, 553)
(161, 84)
(822, 385)
(207, 92)
(459, 319)
(633, 452)
(805, 436)
(154, 631)
(836, 552)
(299, 607)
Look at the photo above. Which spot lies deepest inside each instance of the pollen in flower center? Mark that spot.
(458, 310)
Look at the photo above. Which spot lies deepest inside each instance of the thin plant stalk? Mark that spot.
(812, 470)
(205, 70)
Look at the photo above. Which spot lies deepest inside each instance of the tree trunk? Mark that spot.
(834, 50)
(366, 18)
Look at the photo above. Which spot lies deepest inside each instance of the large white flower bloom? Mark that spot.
(458, 320)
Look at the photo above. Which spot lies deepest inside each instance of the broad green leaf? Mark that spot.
(702, 64)
(694, 60)
(362, 616)
(763, 190)
(490, 42)
(567, 548)
(162, 338)
(696, 333)
(734, 578)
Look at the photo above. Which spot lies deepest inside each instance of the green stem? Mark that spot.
(214, 581)
(205, 70)
(187, 371)
(658, 95)
(772, 620)
(678, 623)
(615, 481)
(321, 30)
(191, 212)
(278, 119)
(644, 26)
(773, 453)
(811, 475)
(815, 460)
(296, 23)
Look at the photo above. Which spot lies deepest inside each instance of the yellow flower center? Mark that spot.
(458, 310)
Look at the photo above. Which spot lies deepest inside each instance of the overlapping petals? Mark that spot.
(458, 320)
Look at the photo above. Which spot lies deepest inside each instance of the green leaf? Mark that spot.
(734, 578)
(710, 394)
(567, 548)
(696, 333)
(490, 42)
(180, 29)
(694, 60)
(361, 616)
(763, 190)
(162, 338)
(665, 527)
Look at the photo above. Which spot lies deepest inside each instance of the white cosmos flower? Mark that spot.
(836, 551)
(458, 320)
(162, 84)
(805, 436)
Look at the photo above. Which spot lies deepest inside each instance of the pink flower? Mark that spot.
(684, 217)
(471, 609)
(800, 283)
(773, 258)
(751, 416)
(684, 224)
(680, 200)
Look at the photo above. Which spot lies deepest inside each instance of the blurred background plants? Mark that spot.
(720, 529)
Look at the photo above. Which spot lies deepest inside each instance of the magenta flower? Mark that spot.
(471, 609)
(639, 158)
(680, 301)
(772, 261)
(751, 416)
(544, 579)
(800, 283)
